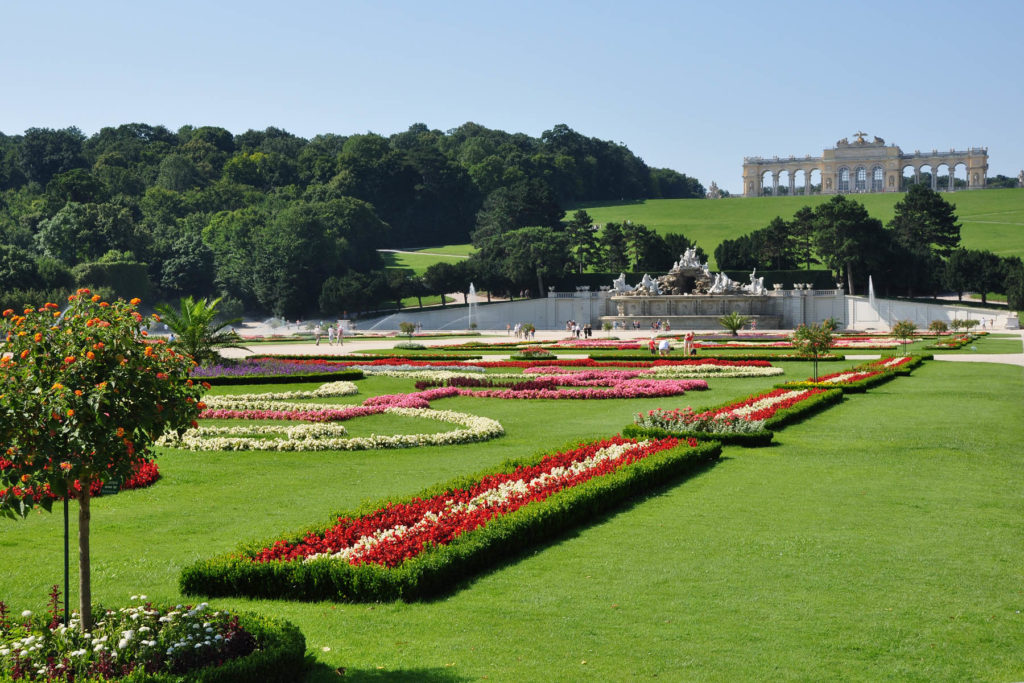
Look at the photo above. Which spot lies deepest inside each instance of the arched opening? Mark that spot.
(800, 182)
(877, 179)
(844, 180)
(960, 176)
(925, 177)
(814, 181)
(860, 181)
(942, 178)
(783, 187)
(767, 184)
(909, 173)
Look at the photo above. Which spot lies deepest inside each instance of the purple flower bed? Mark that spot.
(248, 368)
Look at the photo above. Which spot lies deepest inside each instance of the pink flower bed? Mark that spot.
(640, 388)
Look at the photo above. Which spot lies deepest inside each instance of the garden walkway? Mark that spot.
(359, 344)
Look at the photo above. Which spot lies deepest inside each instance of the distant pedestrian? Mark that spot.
(330, 335)
(651, 345)
(341, 335)
(317, 333)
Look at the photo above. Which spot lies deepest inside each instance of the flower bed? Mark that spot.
(747, 422)
(146, 642)
(270, 371)
(329, 436)
(144, 473)
(425, 545)
(850, 381)
(731, 358)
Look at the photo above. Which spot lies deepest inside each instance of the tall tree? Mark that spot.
(847, 237)
(924, 219)
(584, 247)
(615, 246)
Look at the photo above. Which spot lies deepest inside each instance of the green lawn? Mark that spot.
(881, 539)
(992, 219)
(417, 262)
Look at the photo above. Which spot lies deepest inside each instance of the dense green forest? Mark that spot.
(277, 223)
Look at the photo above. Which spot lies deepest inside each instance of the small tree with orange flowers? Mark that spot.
(83, 396)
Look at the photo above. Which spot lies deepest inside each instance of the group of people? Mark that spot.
(663, 346)
(522, 331)
(333, 332)
(579, 331)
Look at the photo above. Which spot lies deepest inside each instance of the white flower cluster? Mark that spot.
(743, 411)
(327, 390)
(498, 495)
(709, 370)
(324, 436)
(130, 636)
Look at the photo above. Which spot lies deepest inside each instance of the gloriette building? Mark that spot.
(864, 166)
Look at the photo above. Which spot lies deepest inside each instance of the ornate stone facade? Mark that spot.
(861, 166)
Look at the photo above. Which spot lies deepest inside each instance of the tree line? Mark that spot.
(917, 253)
(272, 221)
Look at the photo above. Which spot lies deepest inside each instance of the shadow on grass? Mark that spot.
(321, 673)
(516, 556)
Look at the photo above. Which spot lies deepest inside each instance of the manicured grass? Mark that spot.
(418, 262)
(878, 540)
(991, 219)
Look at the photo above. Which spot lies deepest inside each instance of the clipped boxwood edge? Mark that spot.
(341, 375)
(440, 569)
(803, 410)
(748, 440)
(279, 659)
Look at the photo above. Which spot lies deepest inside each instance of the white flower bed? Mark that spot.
(326, 436)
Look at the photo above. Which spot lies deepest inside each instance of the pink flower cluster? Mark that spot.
(639, 388)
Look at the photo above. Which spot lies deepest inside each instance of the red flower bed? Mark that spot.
(397, 532)
(144, 473)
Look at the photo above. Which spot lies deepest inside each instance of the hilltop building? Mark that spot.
(863, 166)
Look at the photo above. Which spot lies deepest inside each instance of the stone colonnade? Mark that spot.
(862, 166)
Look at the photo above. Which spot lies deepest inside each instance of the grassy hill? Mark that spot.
(991, 219)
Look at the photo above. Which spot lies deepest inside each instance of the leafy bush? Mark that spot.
(409, 346)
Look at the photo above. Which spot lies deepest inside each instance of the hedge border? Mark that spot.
(442, 569)
(339, 376)
(747, 440)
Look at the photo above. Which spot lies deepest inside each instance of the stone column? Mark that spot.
(775, 184)
(792, 183)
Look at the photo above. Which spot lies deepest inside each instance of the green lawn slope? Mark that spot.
(991, 219)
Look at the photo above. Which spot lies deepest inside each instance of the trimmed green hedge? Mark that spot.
(750, 440)
(441, 569)
(340, 376)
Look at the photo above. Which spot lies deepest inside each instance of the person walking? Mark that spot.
(317, 333)
(341, 335)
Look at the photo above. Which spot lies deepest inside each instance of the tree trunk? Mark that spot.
(84, 566)
(849, 278)
(540, 285)
(419, 298)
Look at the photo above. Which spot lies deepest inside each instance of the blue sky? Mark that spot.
(690, 86)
